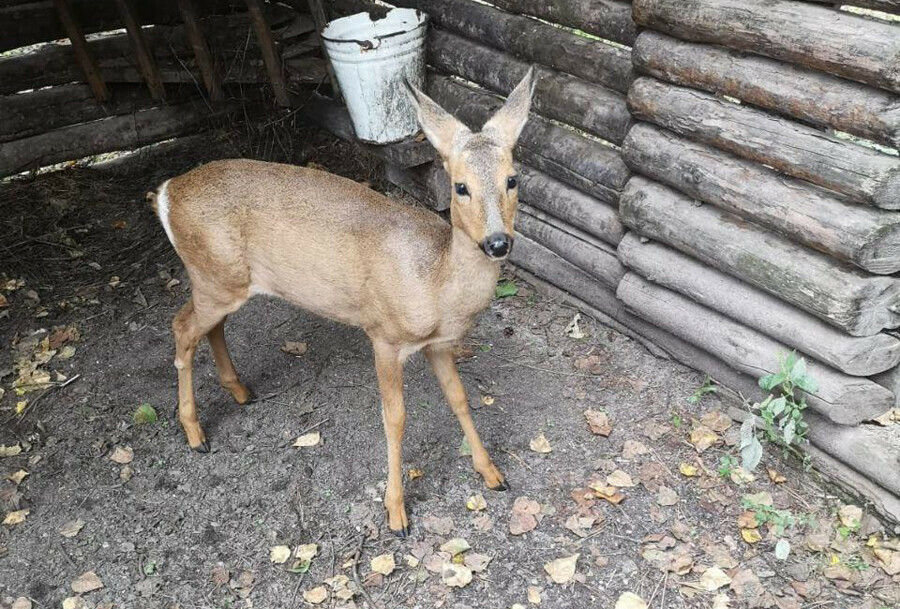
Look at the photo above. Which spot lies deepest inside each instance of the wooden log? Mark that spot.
(525, 38)
(428, 183)
(860, 304)
(201, 49)
(557, 95)
(808, 95)
(844, 399)
(891, 380)
(270, 54)
(867, 237)
(609, 19)
(578, 161)
(887, 6)
(318, 14)
(818, 37)
(27, 23)
(857, 356)
(144, 55)
(600, 263)
(570, 205)
(80, 48)
(115, 133)
(53, 65)
(861, 174)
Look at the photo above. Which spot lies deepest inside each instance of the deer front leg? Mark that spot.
(227, 375)
(441, 358)
(389, 367)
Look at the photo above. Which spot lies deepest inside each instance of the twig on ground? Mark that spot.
(517, 458)
(355, 570)
(34, 403)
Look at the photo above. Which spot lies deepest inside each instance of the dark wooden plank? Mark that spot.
(609, 19)
(805, 94)
(525, 38)
(818, 37)
(557, 95)
(857, 356)
(270, 54)
(887, 6)
(578, 161)
(201, 49)
(858, 303)
(80, 48)
(848, 400)
(865, 236)
(318, 14)
(859, 173)
(144, 55)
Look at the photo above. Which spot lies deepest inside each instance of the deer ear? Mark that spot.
(507, 123)
(439, 126)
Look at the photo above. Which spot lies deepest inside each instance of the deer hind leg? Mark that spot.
(389, 368)
(441, 358)
(227, 374)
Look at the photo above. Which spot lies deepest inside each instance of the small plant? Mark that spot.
(706, 388)
(766, 514)
(727, 464)
(144, 414)
(676, 420)
(856, 563)
(505, 289)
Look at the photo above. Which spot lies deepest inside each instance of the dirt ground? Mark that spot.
(172, 528)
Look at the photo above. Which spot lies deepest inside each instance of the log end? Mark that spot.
(888, 195)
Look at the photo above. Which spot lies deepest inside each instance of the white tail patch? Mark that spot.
(162, 210)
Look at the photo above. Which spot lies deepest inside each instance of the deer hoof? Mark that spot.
(203, 447)
(401, 533)
(503, 486)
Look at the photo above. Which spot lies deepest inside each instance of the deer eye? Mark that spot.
(461, 189)
(511, 182)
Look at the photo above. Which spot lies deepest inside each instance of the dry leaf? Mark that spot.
(16, 517)
(295, 348)
(598, 422)
(716, 421)
(580, 525)
(72, 528)
(562, 570)
(747, 520)
(630, 600)
(888, 560)
(415, 473)
(10, 451)
(308, 439)
(608, 493)
(534, 595)
(476, 503)
(456, 576)
(477, 562)
(316, 595)
(573, 330)
(219, 575)
(619, 479)
(688, 469)
(633, 448)
(751, 535)
(713, 579)
(17, 477)
(540, 445)
(775, 477)
(86, 582)
(523, 515)
(438, 525)
(122, 455)
(666, 496)
(383, 564)
(702, 438)
(487, 400)
(279, 554)
(306, 551)
(720, 601)
(73, 602)
(455, 546)
(740, 476)
(850, 516)
(21, 603)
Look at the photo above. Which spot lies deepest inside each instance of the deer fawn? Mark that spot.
(347, 253)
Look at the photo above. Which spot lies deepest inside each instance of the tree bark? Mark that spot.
(557, 95)
(808, 95)
(865, 236)
(609, 19)
(844, 399)
(578, 161)
(861, 174)
(860, 304)
(857, 356)
(818, 37)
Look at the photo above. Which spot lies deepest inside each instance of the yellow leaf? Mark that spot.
(751, 535)
(17, 517)
(850, 516)
(306, 551)
(455, 546)
(487, 400)
(10, 451)
(689, 470)
(279, 554)
(775, 477)
(476, 503)
(456, 576)
(540, 444)
(562, 570)
(713, 579)
(415, 473)
(315, 595)
(17, 477)
(383, 564)
(702, 437)
(308, 439)
(630, 600)
(20, 406)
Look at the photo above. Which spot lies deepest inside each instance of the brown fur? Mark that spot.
(347, 253)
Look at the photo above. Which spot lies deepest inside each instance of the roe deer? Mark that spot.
(347, 253)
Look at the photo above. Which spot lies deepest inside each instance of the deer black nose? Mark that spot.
(497, 245)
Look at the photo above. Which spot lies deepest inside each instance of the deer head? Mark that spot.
(484, 193)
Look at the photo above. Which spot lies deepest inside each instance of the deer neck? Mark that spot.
(470, 276)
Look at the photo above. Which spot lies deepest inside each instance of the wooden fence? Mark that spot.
(703, 187)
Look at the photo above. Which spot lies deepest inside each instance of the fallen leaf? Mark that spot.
(383, 564)
(306, 551)
(73, 602)
(782, 549)
(219, 575)
(415, 473)
(483, 523)
(713, 579)
(295, 348)
(740, 476)
(17, 477)
(608, 493)
(598, 422)
(71, 528)
(888, 560)
(122, 455)
(666, 496)
(16, 517)
(21, 603)
(308, 439)
(702, 438)
(522, 519)
(747, 520)
(619, 479)
(456, 576)
(476, 503)
(540, 445)
(745, 584)
(751, 535)
(573, 330)
(720, 601)
(630, 600)
(316, 595)
(477, 562)
(775, 477)
(580, 525)
(562, 570)
(688, 470)
(760, 498)
(850, 516)
(455, 546)
(438, 525)
(534, 595)
(86, 582)
(633, 448)
(716, 421)
(279, 554)
(126, 473)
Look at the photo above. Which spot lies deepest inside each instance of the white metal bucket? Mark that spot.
(371, 59)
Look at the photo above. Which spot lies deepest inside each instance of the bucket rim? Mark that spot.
(367, 43)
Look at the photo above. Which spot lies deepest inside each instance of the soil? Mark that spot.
(174, 528)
